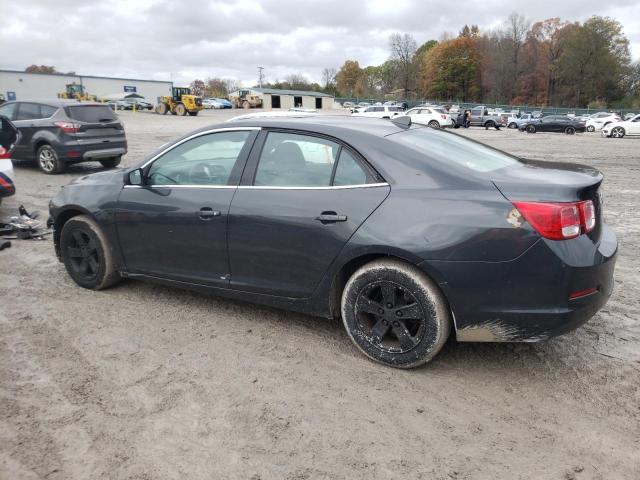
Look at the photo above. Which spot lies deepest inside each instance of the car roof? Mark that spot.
(324, 124)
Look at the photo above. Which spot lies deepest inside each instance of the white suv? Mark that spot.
(379, 111)
(433, 117)
(599, 120)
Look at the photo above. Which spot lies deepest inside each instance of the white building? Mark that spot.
(277, 98)
(15, 85)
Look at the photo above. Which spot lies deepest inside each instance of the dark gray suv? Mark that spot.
(57, 133)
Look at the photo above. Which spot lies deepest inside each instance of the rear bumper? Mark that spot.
(528, 299)
(72, 152)
(106, 153)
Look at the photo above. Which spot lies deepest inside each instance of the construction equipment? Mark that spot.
(180, 102)
(75, 91)
(245, 99)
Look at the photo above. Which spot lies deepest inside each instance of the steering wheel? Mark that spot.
(203, 173)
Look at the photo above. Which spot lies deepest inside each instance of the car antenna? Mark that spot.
(404, 121)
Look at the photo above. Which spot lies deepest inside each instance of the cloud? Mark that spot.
(182, 40)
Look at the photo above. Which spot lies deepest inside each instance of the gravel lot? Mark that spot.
(147, 382)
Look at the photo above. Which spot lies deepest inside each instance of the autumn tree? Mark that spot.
(40, 69)
(403, 49)
(329, 79)
(452, 70)
(197, 87)
(349, 78)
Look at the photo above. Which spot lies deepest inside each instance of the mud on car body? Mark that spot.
(405, 232)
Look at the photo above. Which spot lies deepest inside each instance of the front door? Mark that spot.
(175, 225)
(300, 201)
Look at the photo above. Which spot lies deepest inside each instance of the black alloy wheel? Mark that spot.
(83, 254)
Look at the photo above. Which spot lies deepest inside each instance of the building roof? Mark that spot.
(58, 74)
(278, 91)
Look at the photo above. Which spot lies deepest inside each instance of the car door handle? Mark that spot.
(331, 217)
(206, 213)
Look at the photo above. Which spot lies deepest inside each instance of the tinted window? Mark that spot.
(91, 113)
(8, 110)
(205, 160)
(47, 110)
(28, 111)
(350, 172)
(449, 148)
(293, 160)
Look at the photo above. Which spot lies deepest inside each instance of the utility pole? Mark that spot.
(260, 76)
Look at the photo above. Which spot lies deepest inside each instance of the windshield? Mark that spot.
(448, 147)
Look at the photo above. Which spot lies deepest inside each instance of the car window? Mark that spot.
(395, 109)
(47, 110)
(450, 148)
(204, 160)
(28, 111)
(294, 160)
(8, 110)
(91, 113)
(350, 172)
(637, 119)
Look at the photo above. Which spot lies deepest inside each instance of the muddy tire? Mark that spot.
(181, 110)
(48, 160)
(87, 254)
(112, 162)
(395, 314)
(162, 108)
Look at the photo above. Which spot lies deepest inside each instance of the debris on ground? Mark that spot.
(24, 226)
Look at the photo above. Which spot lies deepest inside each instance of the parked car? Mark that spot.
(57, 133)
(211, 103)
(9, 136)
(516, 121)
(432, 117)
(553, 123)
(620, 129)
(119, 105)
(139, 103)
(378, 111)
(224, 102)
(348, 105)
(599, 120)
(482, 117)
(629, 116)
(362, 220)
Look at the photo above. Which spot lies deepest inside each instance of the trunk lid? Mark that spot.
(95, 121)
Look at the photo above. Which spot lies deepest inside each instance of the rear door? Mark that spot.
(301, 198)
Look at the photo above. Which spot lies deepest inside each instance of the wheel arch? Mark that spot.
(62, 217)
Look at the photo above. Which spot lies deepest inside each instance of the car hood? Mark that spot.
(101, 178)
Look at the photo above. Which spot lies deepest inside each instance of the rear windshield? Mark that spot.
(448, 147)
(91, 113)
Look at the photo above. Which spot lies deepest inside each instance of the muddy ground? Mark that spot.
(146, 382)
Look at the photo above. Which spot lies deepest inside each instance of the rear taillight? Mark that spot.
(4, 153)
(559, 221)
(68, 127)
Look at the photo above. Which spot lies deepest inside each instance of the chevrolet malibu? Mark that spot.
(405, 232)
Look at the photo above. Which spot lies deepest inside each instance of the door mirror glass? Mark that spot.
(135, 177)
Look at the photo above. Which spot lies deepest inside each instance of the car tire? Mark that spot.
(531, 129)
(181, 110)
(377, 303)
(433, 124)
(87, 254)
(617, 132)
(48, 160)
(591, 128)
(489, 124)
(512, 125)
(162, 108)
(112, 162)
(569, 130)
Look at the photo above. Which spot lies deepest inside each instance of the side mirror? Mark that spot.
(135, 177)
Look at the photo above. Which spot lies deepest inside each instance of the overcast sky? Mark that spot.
(183, 40)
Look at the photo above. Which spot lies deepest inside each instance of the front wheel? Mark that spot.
(569, 130)
(591, 128)
(617, 132)
(162, 108)
(112, 162)
(433, 124)
(531, 129)
(395, 314)
(48, 160)
(181, 109)
(87, 254)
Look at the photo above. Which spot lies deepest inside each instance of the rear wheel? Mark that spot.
(181, 109)
(591, 128)
(569, 130)
(48, 160)
(87, 254)
(512, 125)
(112, 162)
(395, 314)
(531, 129)
(434, 124)
(162, 108)
(617, 132)
(489, 124)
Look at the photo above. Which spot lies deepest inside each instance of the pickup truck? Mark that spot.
(480, 117)
(515, 122)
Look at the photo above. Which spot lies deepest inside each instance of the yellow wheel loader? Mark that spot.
(181, 102)
(245, 100)
(77, 92)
